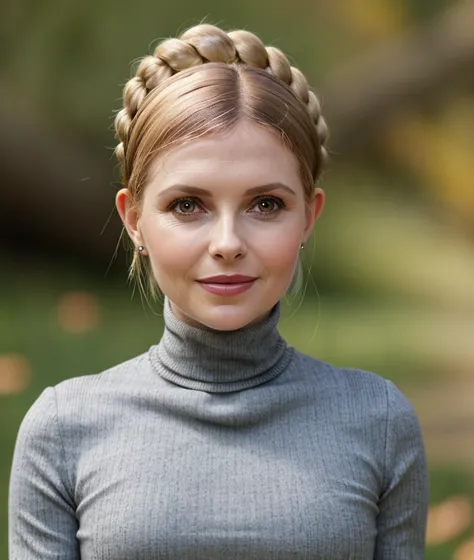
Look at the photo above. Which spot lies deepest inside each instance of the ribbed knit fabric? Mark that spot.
(221, 362)
(219, 445)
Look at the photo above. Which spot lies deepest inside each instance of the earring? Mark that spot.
(302, 246)
(141, 248)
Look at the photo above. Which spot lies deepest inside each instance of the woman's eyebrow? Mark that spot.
(203, 192)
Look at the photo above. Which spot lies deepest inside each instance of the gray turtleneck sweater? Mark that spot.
(219, 445)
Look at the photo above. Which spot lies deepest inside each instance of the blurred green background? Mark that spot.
(390, 271)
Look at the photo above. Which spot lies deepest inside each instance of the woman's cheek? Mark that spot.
(173, 255)
(281, 252)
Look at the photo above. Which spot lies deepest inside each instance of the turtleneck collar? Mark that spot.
(220, 361)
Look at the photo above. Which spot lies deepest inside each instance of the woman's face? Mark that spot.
(223, 205)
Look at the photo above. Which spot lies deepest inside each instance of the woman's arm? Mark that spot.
(42, 522)
(403, 505)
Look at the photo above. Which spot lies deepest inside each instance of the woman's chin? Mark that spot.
(225, 320)
(231, 318)
(218, 317)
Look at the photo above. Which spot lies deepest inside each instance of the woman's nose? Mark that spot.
(227, 242)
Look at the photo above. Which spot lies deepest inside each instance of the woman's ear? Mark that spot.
(313, 210)
(128, 212)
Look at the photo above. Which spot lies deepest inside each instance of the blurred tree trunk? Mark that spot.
(56, 195)
(53, 195)
(416, 68)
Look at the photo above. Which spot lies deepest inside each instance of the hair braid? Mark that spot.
(254, 53)
(207, 43)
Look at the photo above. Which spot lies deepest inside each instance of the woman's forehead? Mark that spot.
(246, 153)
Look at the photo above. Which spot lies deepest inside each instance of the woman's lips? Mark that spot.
(228, 288)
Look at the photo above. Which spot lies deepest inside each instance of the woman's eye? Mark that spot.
(184, 206)
(269, 205)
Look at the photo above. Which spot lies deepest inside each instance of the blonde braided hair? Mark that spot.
(208, 43)
(166, 103)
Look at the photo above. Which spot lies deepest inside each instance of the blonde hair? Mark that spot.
(204, 82)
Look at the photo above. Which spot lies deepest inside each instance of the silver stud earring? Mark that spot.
(141, 248)
(302, 246)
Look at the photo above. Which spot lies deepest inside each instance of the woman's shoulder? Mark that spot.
(115, 376)
(353, 384)
(76, 396)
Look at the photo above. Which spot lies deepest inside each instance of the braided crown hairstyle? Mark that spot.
(204, 82)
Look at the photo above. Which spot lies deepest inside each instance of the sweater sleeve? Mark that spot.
(42, 522)
(403, 505)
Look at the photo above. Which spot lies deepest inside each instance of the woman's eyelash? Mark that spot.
(277, 200)
(177, 201)
(280, 203)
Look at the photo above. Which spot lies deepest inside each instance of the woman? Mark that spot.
(221, 441)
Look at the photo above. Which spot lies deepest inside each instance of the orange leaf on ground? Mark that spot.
(78, 312)
(448, 520)
(15, 374)
(465, 551)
